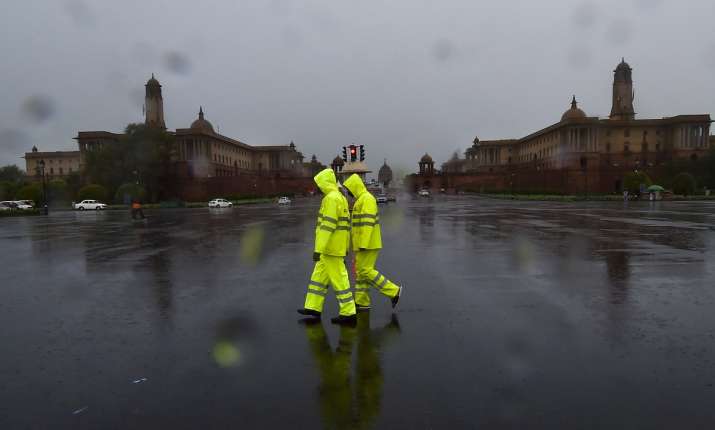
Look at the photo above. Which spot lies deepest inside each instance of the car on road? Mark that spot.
(94, 205)
(284, 201)
(23, 204)
(7, 205)
(220, 203)
(424, 193)
(381, 199)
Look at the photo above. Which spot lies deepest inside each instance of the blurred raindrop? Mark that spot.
(584, 15)
(619, 32)
(38, 108)
(226, 354)
(177, 63)
(80, 13)
(523, 253)
(443, 50)
(252, 244)
(14, 141)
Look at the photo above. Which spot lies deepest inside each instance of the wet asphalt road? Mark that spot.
(514, 315)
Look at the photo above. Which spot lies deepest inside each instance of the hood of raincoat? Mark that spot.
(325, 180)
(355, 185)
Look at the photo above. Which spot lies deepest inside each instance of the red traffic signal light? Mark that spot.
(352, 150)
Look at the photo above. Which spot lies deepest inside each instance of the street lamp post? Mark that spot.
(41, 173)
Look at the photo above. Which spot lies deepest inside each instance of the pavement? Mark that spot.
(514, 315)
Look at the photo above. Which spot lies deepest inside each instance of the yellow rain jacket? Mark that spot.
(365, 219)
(332, 232)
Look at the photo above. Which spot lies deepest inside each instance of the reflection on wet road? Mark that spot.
(536, 315)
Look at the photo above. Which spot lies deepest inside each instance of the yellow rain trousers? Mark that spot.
(367, 242)
(332, 234)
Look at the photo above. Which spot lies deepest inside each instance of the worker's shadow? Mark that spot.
(350, 398)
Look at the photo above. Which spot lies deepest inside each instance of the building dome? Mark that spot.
(385, 174)
(426, 158)
(201, 124)
(152, 82)
(623, 65)
(574, 112)
(338, 161)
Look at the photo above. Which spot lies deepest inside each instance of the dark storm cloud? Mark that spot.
(402, 77)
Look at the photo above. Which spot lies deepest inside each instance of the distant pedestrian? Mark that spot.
(137, 212)
(625, 195)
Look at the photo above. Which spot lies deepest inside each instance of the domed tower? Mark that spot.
(384, 176)
(574, 113)
(623, 95)
(154, 104)
(337, 164)
(426, 165)
(201, 124)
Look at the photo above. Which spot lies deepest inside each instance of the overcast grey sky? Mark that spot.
(403, 77)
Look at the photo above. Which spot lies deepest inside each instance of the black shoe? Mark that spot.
(309, 312)
(344, 319)
(396, 299)
(361, 308)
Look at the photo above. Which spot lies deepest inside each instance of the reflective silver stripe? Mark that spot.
(333, 220)
(312, 290)
(316, 293)
(343, 218)
(342, 227)
(330, 229)
(341, 292)
(382, 285)
(318, 284)
(365, 224)
(346, 300)
(364, 216)
(376, 278)
(362, 288)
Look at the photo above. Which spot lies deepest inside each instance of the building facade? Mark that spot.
(200, 151)
(580, 152)
(58, 164)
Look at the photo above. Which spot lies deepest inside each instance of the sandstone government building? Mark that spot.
(576, 154)
(206, 162)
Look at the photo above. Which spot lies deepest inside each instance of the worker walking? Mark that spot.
(367, 242)
(332, 235)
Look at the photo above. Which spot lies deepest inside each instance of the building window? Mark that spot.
(61, 171)
(627, 133)
(70, 170)
(657, 146)
(52, 170)
(608, 132)
(626, 147)
(644, 147)
(608, 146)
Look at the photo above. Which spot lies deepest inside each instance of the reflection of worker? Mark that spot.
(367, 242)
(332, 234)
(137, 210)
(348, 402)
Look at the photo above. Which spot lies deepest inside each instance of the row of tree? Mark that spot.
(137, 167)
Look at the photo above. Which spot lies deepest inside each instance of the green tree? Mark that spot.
(30, 192)
(632, 181)
(74, 183)
(8, 190)
(143, 155)
(92, 192)
(11, 173)
(684, 183)
(128, 192)
(57, 191)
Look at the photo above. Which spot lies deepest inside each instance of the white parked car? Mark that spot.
(23, 204)
(7, 205)
(284, 201)
(424, 193)
(89, 205)
(220, 203)
(381, 199)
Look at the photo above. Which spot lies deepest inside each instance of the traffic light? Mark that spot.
(345, 154)
(353, 153)
(362, 152)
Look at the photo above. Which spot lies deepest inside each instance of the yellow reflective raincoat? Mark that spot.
(365, 220)
(332, 232)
